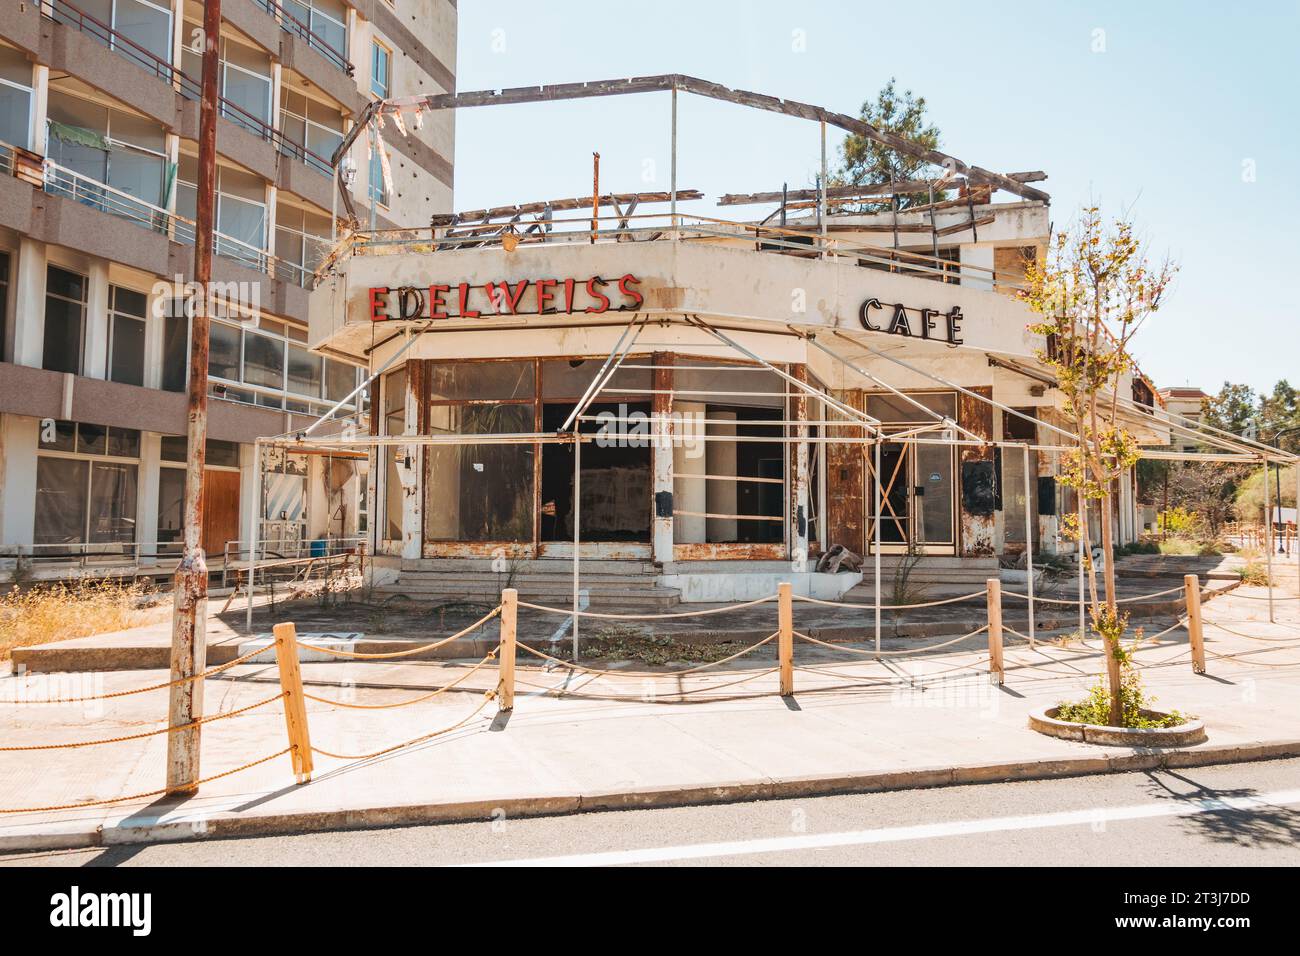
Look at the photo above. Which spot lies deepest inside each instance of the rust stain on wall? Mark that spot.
(844, 483)
(975, 533)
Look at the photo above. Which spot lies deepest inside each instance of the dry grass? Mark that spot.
(57, 612)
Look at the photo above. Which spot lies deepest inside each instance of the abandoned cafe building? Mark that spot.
(698, 401)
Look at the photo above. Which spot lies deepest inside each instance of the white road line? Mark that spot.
(1092, 816)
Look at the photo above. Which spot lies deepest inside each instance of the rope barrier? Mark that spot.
(487, 698)
(910, 650)
(677, 673)
(403, 703)
(1249, 637)
(891, 607)
(1265, 597)
(149, 733)
(1075, 601)
(147, 794)
(569, 612)
(561, 692)
(389, 655)
(141, 690)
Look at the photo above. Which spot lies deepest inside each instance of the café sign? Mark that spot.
(592, 296)
(928, 324)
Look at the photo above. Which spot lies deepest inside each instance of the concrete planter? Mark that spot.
(1186, 734)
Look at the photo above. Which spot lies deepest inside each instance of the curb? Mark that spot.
(66, 836)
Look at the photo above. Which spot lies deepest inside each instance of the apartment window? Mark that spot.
(65, 320)
(310, 123)
(126, 317)
(270, 366)
(326, 19)
(86, 484)
(15, 98)
(134, 25)
(241, 210)
(301, 239)
(244, 78)
(4, 300)
(381, 66)
(378, 188)
(175, 347)
(108, 146)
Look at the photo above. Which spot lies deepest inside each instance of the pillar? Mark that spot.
(689, 460)
(29, 299)
(146, 499)
(661, 455)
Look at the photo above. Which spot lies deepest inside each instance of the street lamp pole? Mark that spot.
(1277, 443)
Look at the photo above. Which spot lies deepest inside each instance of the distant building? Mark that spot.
(1187, 403)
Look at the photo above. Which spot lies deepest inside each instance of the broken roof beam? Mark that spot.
(580, 202)
(850, 193)
(677, 81)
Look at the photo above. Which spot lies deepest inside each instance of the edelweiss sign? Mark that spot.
(525, 297)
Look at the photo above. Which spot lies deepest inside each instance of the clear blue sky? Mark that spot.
(1159, 124)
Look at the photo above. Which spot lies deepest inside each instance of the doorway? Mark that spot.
(916, 498)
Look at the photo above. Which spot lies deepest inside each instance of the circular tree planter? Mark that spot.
(1183, 735)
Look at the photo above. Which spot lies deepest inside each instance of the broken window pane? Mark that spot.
(478, 381)
(60, 500)
(480, 492)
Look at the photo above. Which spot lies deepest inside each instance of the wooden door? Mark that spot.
(220, 511)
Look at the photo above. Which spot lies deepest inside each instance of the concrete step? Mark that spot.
(502, 580)
(526, 565)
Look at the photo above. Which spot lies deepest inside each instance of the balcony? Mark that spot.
(303, 31)
(68, 14)
(57, 180)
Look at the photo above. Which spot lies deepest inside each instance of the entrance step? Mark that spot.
(611, 585)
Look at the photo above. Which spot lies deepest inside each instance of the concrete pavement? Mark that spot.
(853, 724)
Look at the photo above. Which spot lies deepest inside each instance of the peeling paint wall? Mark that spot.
(975, 536)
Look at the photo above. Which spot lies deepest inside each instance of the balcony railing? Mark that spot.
(60, 181)
(61, 11)
(291, 24)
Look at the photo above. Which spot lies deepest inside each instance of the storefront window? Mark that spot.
(480, 492)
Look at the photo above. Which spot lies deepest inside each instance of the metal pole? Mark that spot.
(189, 616)
(673, 168)
(254, 525)
(595, 196)
(1297, 525)
(577, 512)
(821, 198)
(1079, 503)
(876, 476)
(1029, 548)
(1268, 541)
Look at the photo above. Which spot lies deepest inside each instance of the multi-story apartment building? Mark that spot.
(98, 164)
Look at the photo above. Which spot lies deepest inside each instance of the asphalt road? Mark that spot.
(1239, 814)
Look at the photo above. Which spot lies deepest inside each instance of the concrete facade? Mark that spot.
(111, 132)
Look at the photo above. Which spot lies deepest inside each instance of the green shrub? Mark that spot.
(1095, 708)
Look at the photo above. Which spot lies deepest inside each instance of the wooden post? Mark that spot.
(785, 636)
(295, 705)
(996, 674)
(506, 662)
(1192, 587)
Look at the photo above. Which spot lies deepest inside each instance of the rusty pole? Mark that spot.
(595, 195)
(189, 643)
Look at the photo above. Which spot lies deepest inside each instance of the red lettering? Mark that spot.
(437, 307)
(635, 297)
(600, 297)
(466, 313)
(568, 294)
(501, 293)
(545, 295)
(378, 303)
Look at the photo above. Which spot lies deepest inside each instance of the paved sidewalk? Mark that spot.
(853, 724)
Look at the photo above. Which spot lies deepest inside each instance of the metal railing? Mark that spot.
(650, 227)
(61, 11)
(61, 181)
(291, 24)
